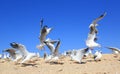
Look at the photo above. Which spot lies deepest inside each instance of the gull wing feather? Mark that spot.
(113, 48)
(56, 51)
(99, 18)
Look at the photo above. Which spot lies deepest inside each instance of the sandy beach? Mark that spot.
(107, 65)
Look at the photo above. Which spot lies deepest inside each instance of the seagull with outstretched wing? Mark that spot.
(91, 40)
(44, 31)
(26, 55)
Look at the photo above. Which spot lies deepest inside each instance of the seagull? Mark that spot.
(54, 50)
(115, 50)
(11, 52)
(44, 31)
(79, 55)
(90, 42)
(26, 55)
(92, 38)
(97, 56)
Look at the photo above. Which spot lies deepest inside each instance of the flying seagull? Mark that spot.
(91, 40)
(44, 31)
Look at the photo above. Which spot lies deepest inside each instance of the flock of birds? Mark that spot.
(18, 53)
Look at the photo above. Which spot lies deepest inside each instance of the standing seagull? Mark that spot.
(115, 50)
(97, 56)
(44, 31)
(26, 56)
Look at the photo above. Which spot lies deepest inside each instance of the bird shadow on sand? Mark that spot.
(26, 64)
(90, 61)
(56, 63)
(80, 63)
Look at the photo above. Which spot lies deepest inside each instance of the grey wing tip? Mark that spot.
(108, 47)
(103, 14)
(41, 22)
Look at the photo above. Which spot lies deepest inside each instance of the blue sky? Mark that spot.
(20, 22)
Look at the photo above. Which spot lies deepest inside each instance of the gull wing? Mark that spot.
(99, 18)
(11, 51)
(56, 51)
(20, 47)
(113, 48)
(50, 46)
(41, 23)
